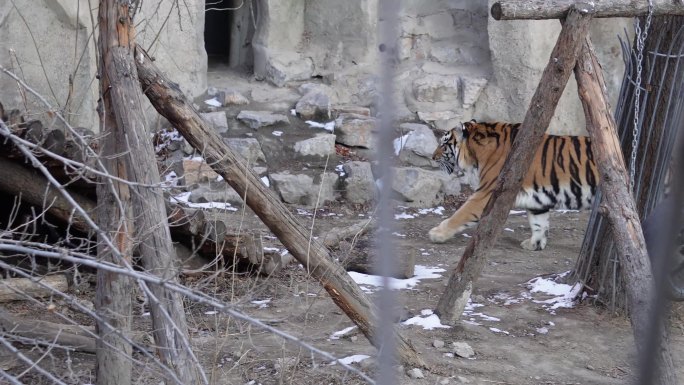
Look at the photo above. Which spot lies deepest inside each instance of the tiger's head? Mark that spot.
(453, 154)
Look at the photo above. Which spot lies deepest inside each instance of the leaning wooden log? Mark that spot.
(21, 289)
(544, 9)
(47, 333)
(537, 119)
(170, 102)
(620, 209)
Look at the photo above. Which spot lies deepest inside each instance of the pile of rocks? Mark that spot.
(309, 149)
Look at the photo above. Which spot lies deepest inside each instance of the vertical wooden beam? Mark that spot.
(619, 208)
(143, 225)
(537, 119)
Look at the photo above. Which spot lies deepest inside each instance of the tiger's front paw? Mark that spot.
(533, 245)
(437, 235)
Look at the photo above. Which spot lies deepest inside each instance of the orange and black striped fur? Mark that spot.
(563, 175)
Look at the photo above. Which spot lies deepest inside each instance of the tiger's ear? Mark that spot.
(468, 127)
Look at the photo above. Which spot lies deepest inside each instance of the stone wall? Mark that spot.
(49, 44)
(453, 61)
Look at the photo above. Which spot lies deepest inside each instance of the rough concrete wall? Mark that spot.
(338, 34)
(520, 50)
(64, 48)
(173, 33)
(45, 43)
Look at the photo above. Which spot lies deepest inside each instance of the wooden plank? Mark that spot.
(557, 9)
(543, 104)
(170, 102)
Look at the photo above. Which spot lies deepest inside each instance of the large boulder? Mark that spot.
(418, 187)
(247, 148)
(355, 130)
(359, 184)
(320, 145)
(257, 119)
(418, 145)
(292, 188)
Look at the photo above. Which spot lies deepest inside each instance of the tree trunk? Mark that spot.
(557, 9)
(172, 104)
(663, 79)
(619, 208)
(130, 157)
(537, 119)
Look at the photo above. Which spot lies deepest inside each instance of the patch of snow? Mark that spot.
(351, 359)
(427, 320)
(399, 235)
(542, 330)
(330, 126)
(277, 133)
(265, 181)
(293, 112)
(303, 212)
(509, 229)
(403, 216)
(219, 178)
(367, 281)
(213, 102)
(170, 180)
(517, 212)
(183, 198)
(341, 333)
(400, 142)
(211, 312)
(471, 322)
(486, 317)
(563, 295)
(466, 235)
(495, 330)
(263, 303)
(566, 211)
(439, 210)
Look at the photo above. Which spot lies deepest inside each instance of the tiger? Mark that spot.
(563, 175)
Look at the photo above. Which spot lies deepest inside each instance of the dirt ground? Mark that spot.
(515, 339)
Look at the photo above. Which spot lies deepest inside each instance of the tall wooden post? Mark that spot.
(143, 219)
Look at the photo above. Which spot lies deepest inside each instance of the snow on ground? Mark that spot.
(183, 199)
(563, 295)
(338, 334)
(427, 319)
(439, 210)
(351, 359)
(213, 102)
(330, 126)
(370, 283)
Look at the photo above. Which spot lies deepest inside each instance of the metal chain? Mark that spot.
(640, 42)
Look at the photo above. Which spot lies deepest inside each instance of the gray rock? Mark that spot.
(359, 184)
(463, 380)
(418, 187)
(419, 146)
(256, 119)
(315, 105)
(451, 185)
(233, 97)
(415, 373)
(436, 88)
(320, 145)
(217, 120)
(292, 188)
(324, 190)
(248, 148)
(462, 349)
(442, 120)
(205, 194)
(280, 72)
(438, 344)
(355, 130)
(471, 89)
(337, 110)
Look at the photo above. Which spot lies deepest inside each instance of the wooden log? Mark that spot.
(557, 9)
(363, 262)
(620, 209)
(333, 237)
(32, 186)
(47, 333)
(170, 102)
(20, 289)
(126, 133)
(537, 119)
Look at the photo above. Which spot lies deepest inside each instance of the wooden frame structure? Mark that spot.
(572, 50)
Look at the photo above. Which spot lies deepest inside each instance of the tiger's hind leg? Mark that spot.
(539, 224)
